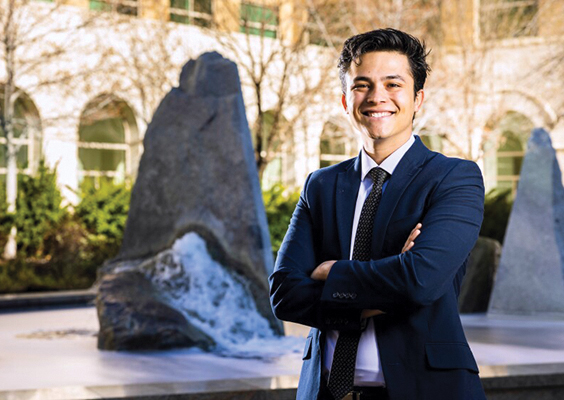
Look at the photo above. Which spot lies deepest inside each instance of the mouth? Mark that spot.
(380, 114)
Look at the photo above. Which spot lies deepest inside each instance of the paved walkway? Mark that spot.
(52, 354)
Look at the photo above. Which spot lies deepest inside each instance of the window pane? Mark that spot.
(258, 20)
(100, 5)
(272, 173)
(256, 13)
(101, 159)
(21, 120)
(126, 10)
(198, 7)
(22, 157)
(504, 185)
(181, 19)
(203, 6)
(333, 145)
(109, 131)
(510, 142)
(182, 4)
(96, 181)
(501, 19)
(509, 165)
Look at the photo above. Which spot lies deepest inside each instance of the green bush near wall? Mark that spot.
(279, 204)
(38, 210)
(60, 249)
(103, 213)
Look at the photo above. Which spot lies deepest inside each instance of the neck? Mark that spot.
(380, 150)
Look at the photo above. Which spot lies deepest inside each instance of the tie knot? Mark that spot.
(378, 175)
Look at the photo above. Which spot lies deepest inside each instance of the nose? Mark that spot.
(376, 95)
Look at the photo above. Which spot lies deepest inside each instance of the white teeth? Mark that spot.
(380, 114)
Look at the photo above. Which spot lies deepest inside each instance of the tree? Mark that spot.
(287, 76)
(37, 42)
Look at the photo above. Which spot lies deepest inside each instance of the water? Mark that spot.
(215, 300)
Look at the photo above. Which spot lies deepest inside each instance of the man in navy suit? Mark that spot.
(402, 302)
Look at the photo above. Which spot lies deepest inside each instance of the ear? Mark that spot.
(344, 102)
(419, 97)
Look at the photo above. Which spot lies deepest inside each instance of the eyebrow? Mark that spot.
(385, 78)
(392, 77)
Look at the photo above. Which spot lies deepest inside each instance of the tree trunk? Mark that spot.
(11, 195)
(9, 101)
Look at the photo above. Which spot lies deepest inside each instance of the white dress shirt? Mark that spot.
(368, 370)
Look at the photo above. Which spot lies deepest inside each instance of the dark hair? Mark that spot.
(386, 40)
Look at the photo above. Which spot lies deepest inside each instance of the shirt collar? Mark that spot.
(389, 164)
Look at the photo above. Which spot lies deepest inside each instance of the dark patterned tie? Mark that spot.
(341, 377)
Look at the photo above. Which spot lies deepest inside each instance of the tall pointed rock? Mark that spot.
(530, 278)
(196, 254)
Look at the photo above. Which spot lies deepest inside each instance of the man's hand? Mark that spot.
(411, 238)
(370, 313)
(406, 247)
(321, 272)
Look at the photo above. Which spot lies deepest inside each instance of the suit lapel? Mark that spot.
(348, 183)
(406, 170)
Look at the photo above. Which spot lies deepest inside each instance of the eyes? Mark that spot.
(365, 86)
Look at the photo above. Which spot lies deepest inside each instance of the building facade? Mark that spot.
(91, 73)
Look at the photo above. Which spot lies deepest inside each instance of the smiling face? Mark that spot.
(380, 101)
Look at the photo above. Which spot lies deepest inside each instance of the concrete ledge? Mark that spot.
(524, 382)
(539, 382)
(46, 299)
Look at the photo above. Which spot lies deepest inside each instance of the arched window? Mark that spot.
(27, 135)
(335, 145)
(109, 145)
(503, 162)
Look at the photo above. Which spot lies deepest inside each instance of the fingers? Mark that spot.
(370, 313)
(321, 272)
(410, 242)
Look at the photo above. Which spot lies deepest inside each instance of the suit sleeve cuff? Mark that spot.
(341, 311)
(336, 292)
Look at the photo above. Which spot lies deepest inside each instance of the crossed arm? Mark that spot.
(303, 289)
(321, 272)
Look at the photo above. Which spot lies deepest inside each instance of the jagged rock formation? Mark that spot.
(197, 178)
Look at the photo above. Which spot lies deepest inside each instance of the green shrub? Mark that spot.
(103, 213)
(279, 204)
(68, 248)
(38, 210)
(497, 208)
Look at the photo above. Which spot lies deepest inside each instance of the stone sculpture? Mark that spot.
(530, 277)
(196, 238)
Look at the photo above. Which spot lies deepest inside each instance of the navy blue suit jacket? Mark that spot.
(423, 350)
